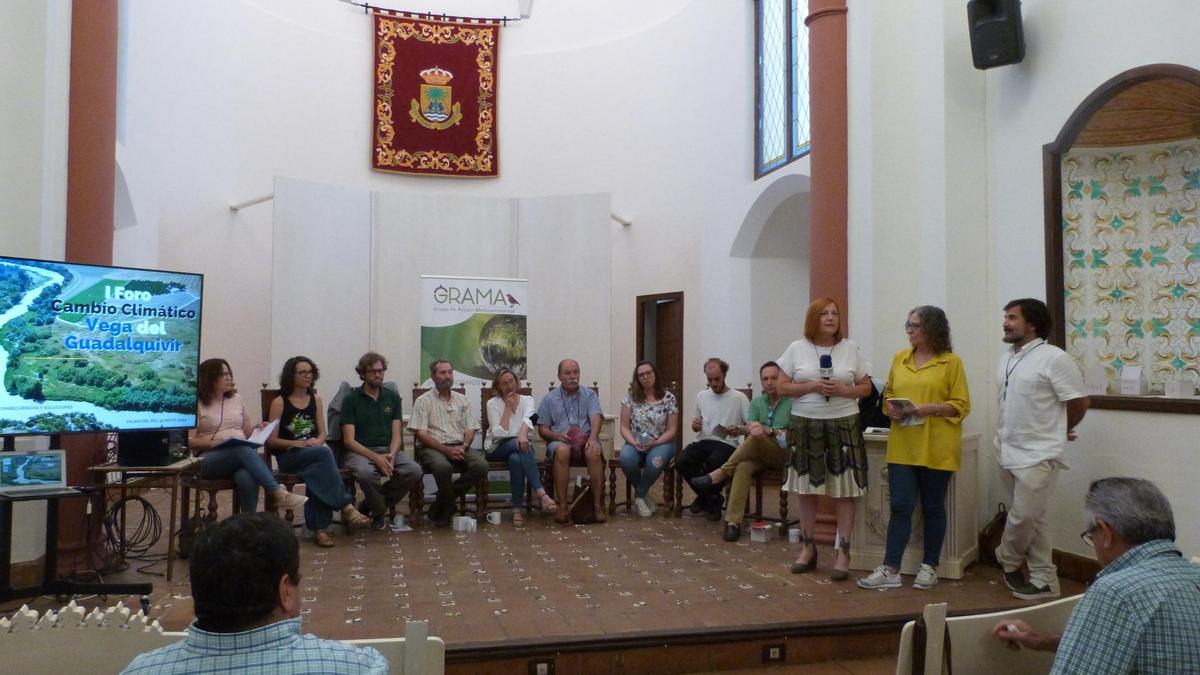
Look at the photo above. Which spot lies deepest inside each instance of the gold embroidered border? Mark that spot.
(430, 160)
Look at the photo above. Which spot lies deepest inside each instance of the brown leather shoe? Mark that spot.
(321, 538)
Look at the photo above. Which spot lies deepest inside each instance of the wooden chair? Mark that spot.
(194, 490)
(416, 498)
(290, 480)
(485, 395)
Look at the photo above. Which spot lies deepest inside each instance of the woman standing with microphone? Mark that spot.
(926, 396)
(825, 375)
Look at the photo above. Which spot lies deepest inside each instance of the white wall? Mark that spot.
(917, 218)
(946, 204)
(1027, 107)
(35, 38)
(651, 105)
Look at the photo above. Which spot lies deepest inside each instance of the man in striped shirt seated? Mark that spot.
(245, 575)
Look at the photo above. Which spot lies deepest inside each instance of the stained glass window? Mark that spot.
(781, 83)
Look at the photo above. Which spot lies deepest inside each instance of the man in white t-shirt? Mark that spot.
(1042, 399)
(720, 421)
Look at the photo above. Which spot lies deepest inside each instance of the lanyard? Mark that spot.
(1010, 367)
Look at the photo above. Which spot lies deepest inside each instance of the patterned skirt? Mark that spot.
(827, 457)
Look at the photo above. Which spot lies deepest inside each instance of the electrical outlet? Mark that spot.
(541, 667)
(774, 653)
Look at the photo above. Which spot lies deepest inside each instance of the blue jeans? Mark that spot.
(322, 483)
(907, 483)
(643, 468)
(521, 466)
(247, 469)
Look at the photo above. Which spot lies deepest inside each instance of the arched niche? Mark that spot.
(774, 236)
(1144, 106)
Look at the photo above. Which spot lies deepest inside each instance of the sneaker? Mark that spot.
(643, 509)
(1015, 580)
(378, 523)
(880, 578)
(651, 503)
(1033, 592)
(927, 578)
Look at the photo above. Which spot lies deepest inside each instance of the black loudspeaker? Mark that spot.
(997, 38)
(143, 448)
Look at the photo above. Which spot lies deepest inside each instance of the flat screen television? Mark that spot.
(87, 348)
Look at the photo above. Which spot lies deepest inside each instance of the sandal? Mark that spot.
(321, 538)
(518, 518)
(562, 518)
(547, 504)
(354, 519)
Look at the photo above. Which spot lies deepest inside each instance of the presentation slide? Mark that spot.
(90, 348)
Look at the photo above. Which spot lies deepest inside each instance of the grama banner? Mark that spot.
(478, 324)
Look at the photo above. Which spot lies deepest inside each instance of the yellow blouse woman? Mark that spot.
(927, 398)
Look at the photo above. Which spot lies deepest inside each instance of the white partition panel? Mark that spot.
(430, 234)
(321, 279)
(564, 250)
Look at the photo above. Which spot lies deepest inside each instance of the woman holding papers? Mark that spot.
(221, 416)
(825, 375)
(926, 397)
(298, 443)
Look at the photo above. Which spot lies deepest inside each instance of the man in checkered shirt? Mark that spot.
(1142, 612)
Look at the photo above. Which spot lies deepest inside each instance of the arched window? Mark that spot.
(781, 130)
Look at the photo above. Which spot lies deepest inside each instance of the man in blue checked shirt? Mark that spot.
(1141, 613)
(246, 589)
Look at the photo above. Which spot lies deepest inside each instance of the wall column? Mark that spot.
(828, 260)
(826, 23)
(91, 185)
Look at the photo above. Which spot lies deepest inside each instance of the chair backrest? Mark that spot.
(485, 394)
(973, 649)
(266, 397)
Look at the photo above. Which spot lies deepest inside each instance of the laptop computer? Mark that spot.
(26, 473)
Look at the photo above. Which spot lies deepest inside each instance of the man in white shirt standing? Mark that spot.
(720, 421)
(1042, 399)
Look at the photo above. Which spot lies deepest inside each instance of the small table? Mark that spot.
(51, 584)
(167, 477)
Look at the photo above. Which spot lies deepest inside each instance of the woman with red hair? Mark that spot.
(825, 374)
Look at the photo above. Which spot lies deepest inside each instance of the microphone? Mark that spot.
(826, 368)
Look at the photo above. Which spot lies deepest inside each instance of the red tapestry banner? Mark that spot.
(435, 96)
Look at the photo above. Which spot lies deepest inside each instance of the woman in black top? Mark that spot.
(298, 444)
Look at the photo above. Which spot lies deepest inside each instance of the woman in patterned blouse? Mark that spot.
(648, 420)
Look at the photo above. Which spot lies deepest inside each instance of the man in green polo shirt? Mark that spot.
(764, 448)
(374, 444)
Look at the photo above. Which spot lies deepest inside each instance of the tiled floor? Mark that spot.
(628, 578)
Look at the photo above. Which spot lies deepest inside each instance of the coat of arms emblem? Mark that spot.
(435, 109)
